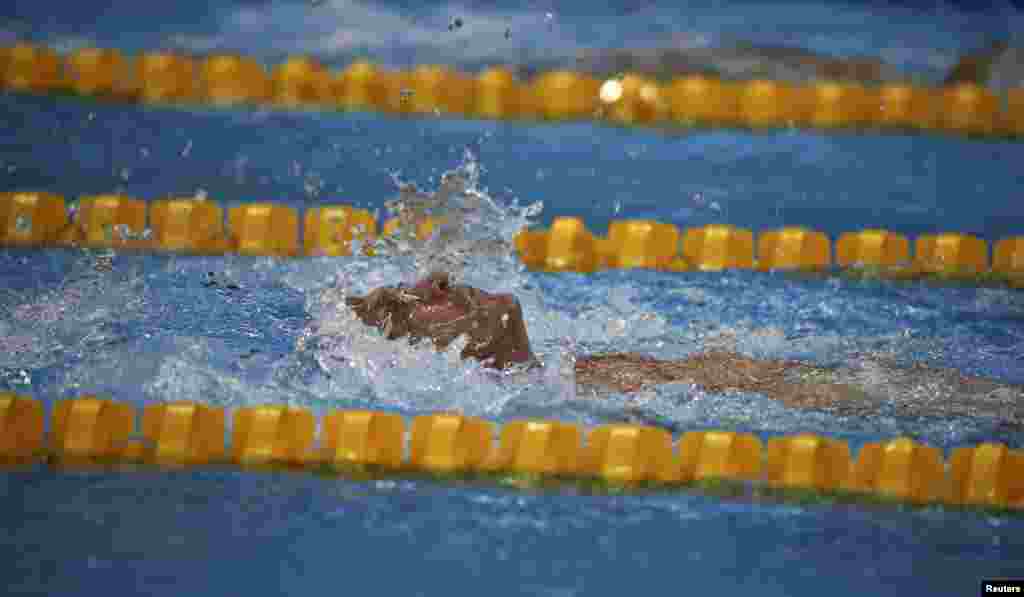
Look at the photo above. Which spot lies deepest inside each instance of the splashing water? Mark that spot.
(473, 241)
(261, 330)
(469, 224)
(76, 316)
(336, 357)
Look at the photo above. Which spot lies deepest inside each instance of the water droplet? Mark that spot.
(125, 232)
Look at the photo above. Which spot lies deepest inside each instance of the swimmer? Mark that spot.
(438, 309)
(441, 310)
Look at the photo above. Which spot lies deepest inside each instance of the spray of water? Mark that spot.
(77, 318)
(329, 359)
(473, 240)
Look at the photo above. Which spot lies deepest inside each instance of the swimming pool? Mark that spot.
(152, 328)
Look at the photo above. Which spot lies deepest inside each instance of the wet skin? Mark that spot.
(438, 309)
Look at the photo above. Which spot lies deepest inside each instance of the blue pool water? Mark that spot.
(152, 329)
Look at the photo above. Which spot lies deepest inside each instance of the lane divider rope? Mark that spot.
(188, 225)
(629, 99)
(90, 432)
